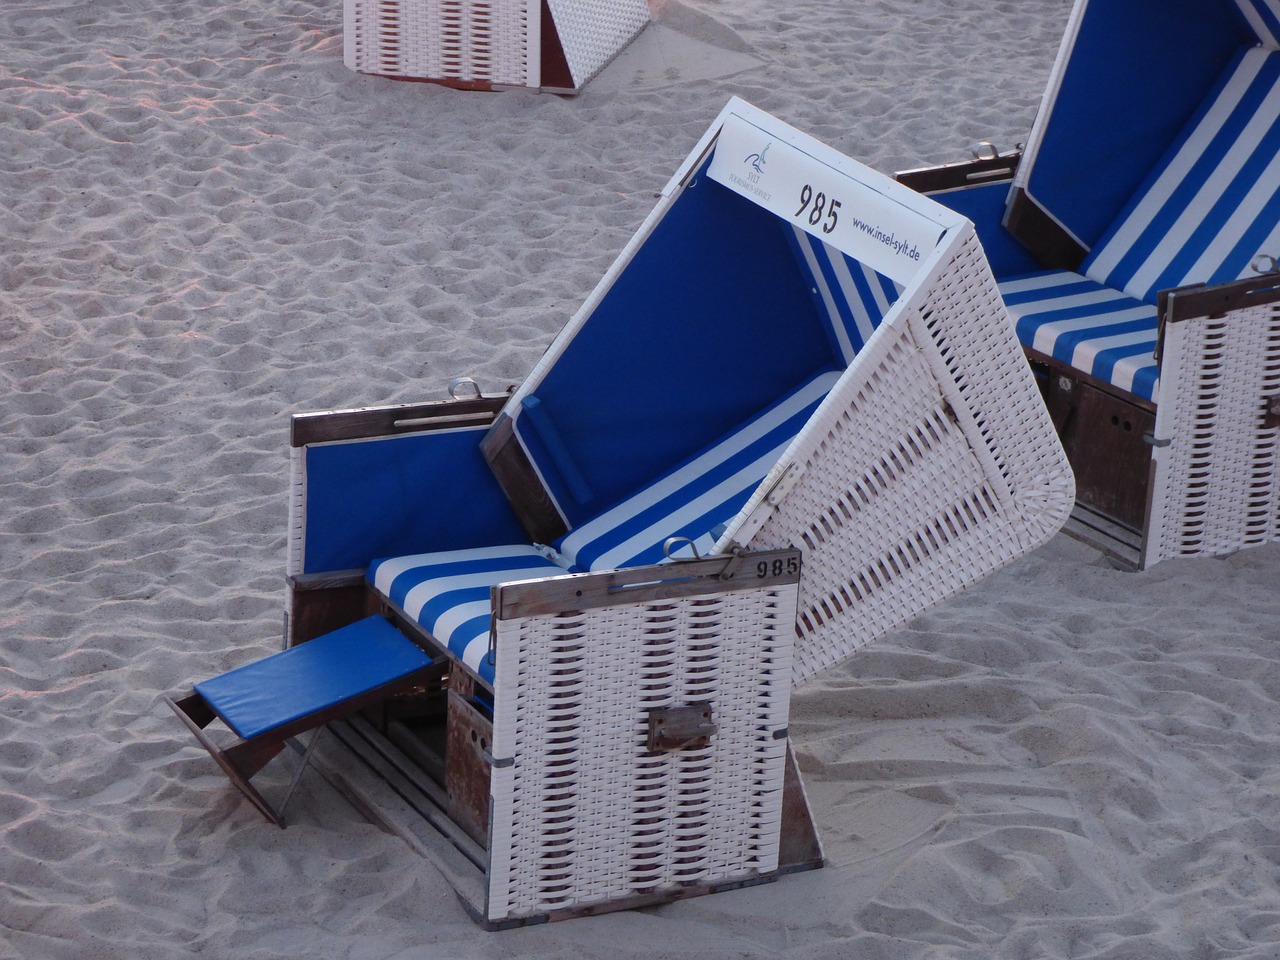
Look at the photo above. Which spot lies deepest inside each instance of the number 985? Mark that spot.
(821, 209)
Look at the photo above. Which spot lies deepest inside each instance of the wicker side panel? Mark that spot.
(582, 813)
(461, 41)
(297, 510)
(1216, 487)
(932, 467)
(593, 32)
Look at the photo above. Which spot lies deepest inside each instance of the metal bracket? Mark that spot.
(678, 728)
(782, 486)
(1271, 412)
(1150, 438)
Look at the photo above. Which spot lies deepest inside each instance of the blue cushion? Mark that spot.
(305, 679)
(1207, 209)
(697, 498)
(1213, 202)
(852, 299)
(447, 593)
(1087, 326)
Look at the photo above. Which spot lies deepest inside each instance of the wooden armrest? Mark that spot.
(963, 173)
(370, 422)
(1204, 300)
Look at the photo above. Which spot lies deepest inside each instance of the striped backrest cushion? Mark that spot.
(698, 498)
(852, 298)
(1263, 17)
(1213, 204)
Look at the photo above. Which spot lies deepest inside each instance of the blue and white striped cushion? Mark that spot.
(447, 593)
(852, 298)
(1209, 208)
(1090, 327)
(1264, 17)
(1213, 204)
(698, 498)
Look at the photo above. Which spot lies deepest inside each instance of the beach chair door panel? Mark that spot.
(639, 746)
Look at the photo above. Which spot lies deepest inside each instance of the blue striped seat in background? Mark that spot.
(1087, 326)
(447, 593)
(1207, 210)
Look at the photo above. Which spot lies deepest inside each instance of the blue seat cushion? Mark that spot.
(1092, 328)
(1206, 210)
(447, 593)
(303, 680)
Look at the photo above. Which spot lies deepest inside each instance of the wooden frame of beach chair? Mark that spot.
(1142, 275)
(794, 363)
(554, 46)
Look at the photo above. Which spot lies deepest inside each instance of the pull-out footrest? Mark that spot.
(267, 702)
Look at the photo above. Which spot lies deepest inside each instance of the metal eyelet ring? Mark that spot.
(674, 543)
(1264, 263)
(457, 392)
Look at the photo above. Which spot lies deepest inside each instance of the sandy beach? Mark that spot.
(208, 223)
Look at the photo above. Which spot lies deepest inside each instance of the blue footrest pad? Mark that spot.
(312, 676)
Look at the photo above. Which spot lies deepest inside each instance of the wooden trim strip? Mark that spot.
(369, 422)
(663, 581)
(1201, 300)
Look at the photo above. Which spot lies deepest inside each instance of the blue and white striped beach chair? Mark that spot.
(795, 362)
(1149, 201)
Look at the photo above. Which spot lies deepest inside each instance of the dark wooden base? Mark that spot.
(1106, 435)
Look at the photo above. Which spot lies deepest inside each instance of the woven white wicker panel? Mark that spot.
(593, 32)
(582, 813)
(935, 465)
(297, 510)
(465, 41)
(1217, 484)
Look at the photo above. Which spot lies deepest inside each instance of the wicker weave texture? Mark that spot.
(463, 41)
(593, 32)
(582, 812)
(1217, 483)
(297, 511)
(934, 465)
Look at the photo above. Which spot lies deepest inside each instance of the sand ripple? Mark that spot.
(208, 223)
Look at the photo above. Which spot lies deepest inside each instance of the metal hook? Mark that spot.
(458, 383)
(1264, 263)
(985, 150)
(673, 542)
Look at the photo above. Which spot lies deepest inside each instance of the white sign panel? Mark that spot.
(847, 213)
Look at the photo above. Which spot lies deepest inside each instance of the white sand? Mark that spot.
(207, 222)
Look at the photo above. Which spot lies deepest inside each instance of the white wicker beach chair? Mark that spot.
(550, 45)
(1145, 287)
(796, 363)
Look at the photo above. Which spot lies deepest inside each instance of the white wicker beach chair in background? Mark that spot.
(792, 416)
(550, 45)
(1136, 248)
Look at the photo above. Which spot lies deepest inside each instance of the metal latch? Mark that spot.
(676, 728)
(1271, 412)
